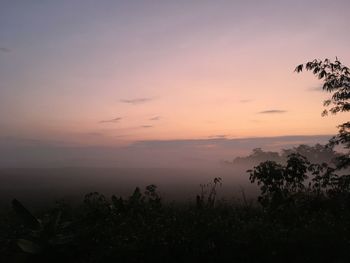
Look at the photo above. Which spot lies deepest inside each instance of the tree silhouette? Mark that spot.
(280, 183)
(336, 79)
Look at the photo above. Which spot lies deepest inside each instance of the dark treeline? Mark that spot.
(302, 213)
(315, 154)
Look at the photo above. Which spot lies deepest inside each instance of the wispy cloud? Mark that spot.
(94, 134)
(18, 141)
(256, 121)
(218, 136)
(146, 126)
(156, 118)
(5, 50)
(272, 111)
(121, 135)
(136, 101)
(115, 120)
(245, 101)
(318, 88)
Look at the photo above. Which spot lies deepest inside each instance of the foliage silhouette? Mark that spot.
(336, 79)
(316, 154)
(279, 183)
(208, 194)
(140, 229)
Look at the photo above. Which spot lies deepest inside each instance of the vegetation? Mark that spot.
(336, 80)
(316, 154)
(142, 228)
(302, 213)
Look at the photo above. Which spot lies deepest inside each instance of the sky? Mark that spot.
(116, 73)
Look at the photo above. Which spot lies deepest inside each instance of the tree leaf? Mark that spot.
(29, 246)
(27, 218)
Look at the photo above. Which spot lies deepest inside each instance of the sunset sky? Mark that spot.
(116, 72)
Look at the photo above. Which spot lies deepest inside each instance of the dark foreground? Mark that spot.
(302, 214)
(143, 229)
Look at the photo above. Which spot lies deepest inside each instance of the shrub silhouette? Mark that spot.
(279, 182)
(208, 194)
